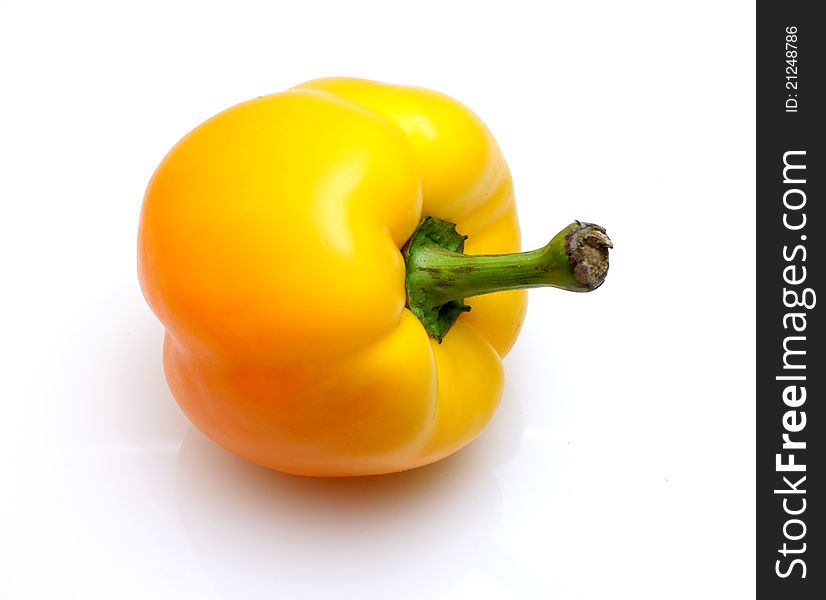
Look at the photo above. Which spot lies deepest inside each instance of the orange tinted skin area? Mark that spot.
(269, 248)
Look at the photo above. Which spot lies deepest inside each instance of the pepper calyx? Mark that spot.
(439, 276)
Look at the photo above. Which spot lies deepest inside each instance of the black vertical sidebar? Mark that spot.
(791, 300)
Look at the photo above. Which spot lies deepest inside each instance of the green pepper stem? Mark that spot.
(439, 276)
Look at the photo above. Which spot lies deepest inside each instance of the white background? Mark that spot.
(620, 463)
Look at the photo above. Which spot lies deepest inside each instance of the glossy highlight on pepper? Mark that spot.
(271, 248)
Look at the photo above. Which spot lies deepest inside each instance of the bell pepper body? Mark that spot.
(270, 248)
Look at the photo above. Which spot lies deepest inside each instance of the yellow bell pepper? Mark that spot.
(305, 330)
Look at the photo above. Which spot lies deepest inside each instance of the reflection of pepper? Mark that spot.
(273, 246)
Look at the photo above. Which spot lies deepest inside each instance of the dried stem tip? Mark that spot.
(587, 247)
